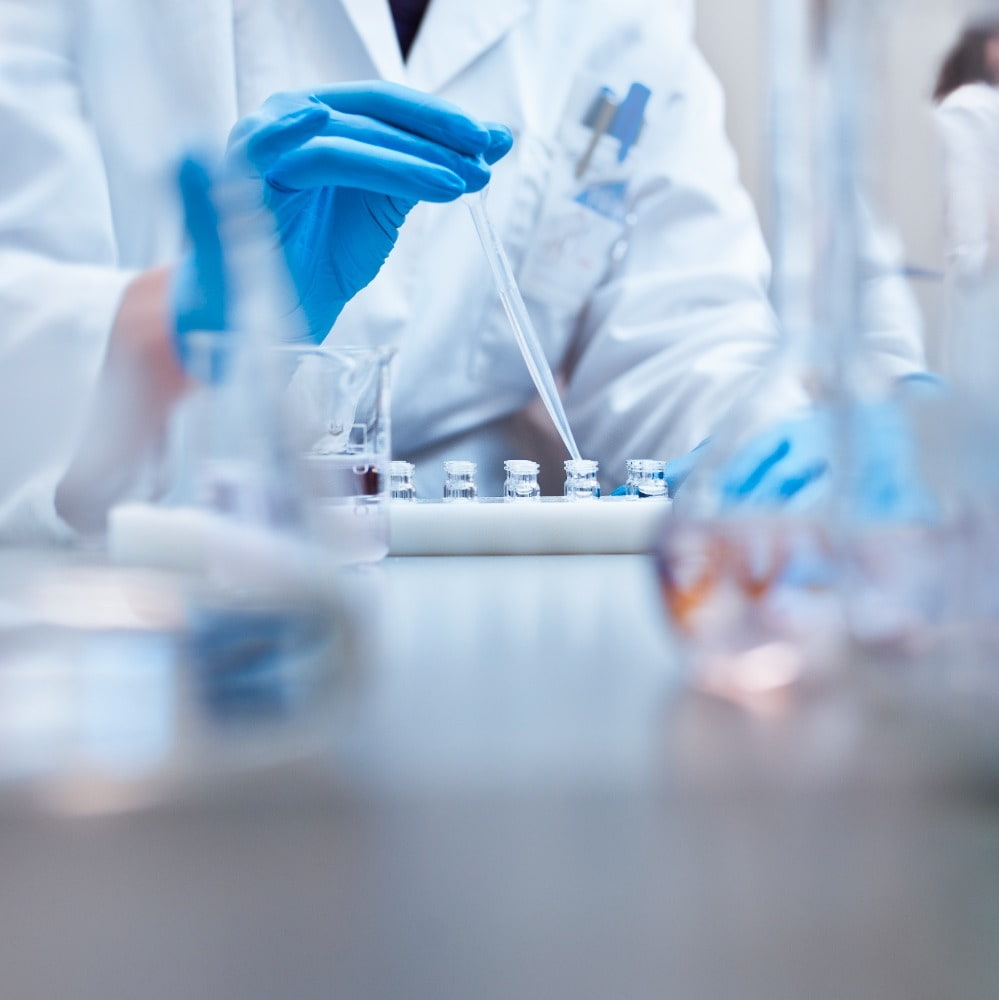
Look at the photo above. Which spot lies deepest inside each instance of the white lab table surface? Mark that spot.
(512, 795)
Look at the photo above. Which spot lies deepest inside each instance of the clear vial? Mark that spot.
(522, 480)
(401, 480)
(460, 483)
(647, 478)
(581, 480)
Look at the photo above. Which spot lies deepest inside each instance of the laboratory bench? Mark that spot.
(504, 786)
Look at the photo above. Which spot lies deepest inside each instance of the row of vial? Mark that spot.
(646, 478)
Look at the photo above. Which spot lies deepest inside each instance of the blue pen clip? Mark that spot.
(630, 119)
(623, 122)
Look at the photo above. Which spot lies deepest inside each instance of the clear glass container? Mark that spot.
(796, 508)
(646, 478)
(459, 485)
(336, 405)
(581, 480)
(521, 481)
(401, 480)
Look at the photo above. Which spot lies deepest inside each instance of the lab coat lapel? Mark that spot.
(455, 33)
(372, 20)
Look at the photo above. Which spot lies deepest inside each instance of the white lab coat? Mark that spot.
(968, 123)
(99, 97)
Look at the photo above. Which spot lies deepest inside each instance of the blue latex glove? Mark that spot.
(787, 462)
(340, 169)
(790, 465)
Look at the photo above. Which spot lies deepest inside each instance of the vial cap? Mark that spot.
(517, 467)
(646, 466)
(401, 468)
(458, 468)
(583, 467)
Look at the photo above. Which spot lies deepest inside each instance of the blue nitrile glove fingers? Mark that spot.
(789, 466)
(396, 166)
(500, 143)
(412, 110)
(199, 294)
(780, 463)
(342, 168)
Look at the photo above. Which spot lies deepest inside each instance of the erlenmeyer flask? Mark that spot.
(756, 582)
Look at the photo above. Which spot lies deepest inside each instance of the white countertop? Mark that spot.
(513, 797)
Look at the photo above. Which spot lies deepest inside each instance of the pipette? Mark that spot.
(520, 320)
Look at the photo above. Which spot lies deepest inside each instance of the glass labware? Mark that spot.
(401, 480)
(336, 412)
(459, 483)
(521, 481)
(759, 585)
(646, 478)
(581, 480)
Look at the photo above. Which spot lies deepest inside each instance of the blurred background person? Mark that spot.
(967, 94)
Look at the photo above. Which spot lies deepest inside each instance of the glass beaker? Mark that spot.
(337, 418)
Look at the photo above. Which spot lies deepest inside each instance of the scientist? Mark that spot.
(634, 243)
(967, 94)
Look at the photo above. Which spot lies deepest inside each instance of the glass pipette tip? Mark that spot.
(520, 320)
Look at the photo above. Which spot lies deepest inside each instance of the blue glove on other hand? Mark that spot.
(341, 168)
(790, 464)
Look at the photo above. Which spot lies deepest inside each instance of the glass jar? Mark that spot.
(521, 481)
(459, 486)
(401, 481)
(581, 480)
(647, 478)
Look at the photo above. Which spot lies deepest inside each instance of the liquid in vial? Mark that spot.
(581, 480)
(460, 483)
(521, 481)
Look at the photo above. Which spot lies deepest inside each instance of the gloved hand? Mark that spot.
(339, 169)
(785, 463)
(791, 464)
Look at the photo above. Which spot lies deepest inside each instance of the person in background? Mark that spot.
(967, 115)
(639, 253)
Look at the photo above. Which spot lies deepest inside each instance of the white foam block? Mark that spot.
(549, 527)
